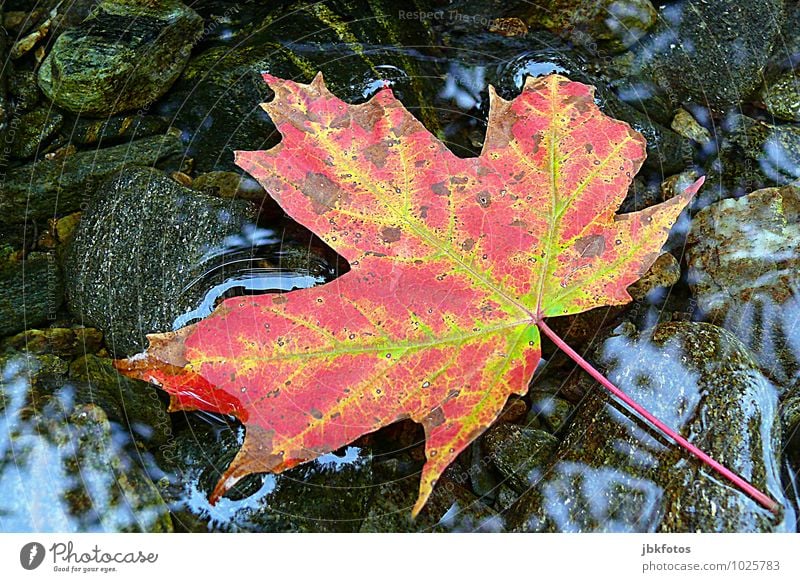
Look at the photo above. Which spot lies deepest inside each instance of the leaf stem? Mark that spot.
(752, 491)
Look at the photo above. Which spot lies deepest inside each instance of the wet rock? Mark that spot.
(139, 247)
(618, 24)
(684, 124)
(87, 131)
(31, 289)
(60, 185)
(506, 497)
(781, 97)
(482, 476)
(329, 494)
(514, 410)
(123, 57)
(519, 454)
(642, 193)
(786, 53)
(548, 411)
(24, 90)
(130, 402)
(28, 376)
(23, 17)
(646, 192)
(509, 27)
(58, 234)
(216, 101)
(667, 152)
(790, 422)
(5, 111)
(743, 264)
(693, 37)
(451, 507)
(612, 473)
(24, 45)
(664, 272)
(229, 22)
(773, 149)
(60, 341)
(63, 467)
(34, 130)
(229, 185)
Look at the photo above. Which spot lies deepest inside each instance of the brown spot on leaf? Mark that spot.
(468, 244)
(376, 153)
(580, 102)
(484, 199)
(435, 418)
(368, 116)
(591, 246)
(322, 191)
(439, 189)
(316, 413)
(536, 139)
(340, 121)
(391, 234)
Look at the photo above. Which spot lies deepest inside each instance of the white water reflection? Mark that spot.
(65, 468)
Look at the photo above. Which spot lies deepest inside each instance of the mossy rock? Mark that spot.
(123, 57)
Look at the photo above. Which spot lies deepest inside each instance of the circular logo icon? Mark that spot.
(31, 555)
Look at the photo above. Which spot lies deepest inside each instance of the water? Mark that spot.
(254, 262)
(441, 70)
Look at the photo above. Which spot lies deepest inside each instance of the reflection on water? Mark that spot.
(65, 467)
(257, 260)
(464, 85)
(613, 472)
(525, 65)
(577, 487)
(328, 494)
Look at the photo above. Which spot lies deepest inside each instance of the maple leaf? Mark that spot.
(454, 265)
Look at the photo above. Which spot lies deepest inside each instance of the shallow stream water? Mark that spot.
(712, 87)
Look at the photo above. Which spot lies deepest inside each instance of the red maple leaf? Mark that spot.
(455, 263)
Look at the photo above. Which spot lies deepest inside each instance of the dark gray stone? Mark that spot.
(772, 148)
(451, 507)
(130, 402)
(137, 250)
(31, 289)
(329, 494)
(781, 97)
(51, 187)
(519, 454)
(34, 130)
(5, 114)
(617, 23)
(63, 466)
(684, 53)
